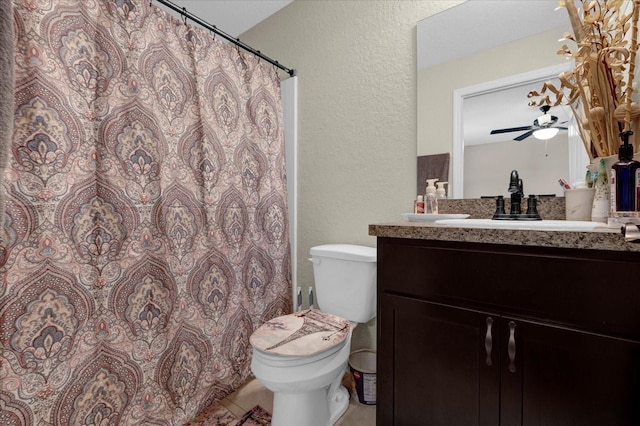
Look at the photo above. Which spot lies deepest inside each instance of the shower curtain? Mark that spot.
(145, 227)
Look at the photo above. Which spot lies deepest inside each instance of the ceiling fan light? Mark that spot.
(546, 133)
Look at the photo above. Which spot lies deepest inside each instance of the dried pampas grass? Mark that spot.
(599, 90)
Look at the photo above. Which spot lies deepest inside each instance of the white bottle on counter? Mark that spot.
(430, 200)
(441, 193)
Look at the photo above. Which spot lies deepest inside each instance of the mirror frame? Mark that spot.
(578, 158)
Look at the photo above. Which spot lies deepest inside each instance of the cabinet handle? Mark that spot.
(512, 346)
(488, 341)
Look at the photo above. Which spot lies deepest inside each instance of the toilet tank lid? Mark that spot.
(346, 252)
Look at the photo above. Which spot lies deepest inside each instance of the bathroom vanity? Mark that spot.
(507, 327)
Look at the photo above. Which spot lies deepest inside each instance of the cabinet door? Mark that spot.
(561, 377)
(437, 365)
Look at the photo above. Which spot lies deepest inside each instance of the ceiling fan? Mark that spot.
(543, 127)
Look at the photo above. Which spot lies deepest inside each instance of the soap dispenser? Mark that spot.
(624, 178)
(441, 193)
(430, 200)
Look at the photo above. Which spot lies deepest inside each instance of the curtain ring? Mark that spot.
(184, 15)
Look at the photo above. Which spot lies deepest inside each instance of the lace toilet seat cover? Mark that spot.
(302, 334)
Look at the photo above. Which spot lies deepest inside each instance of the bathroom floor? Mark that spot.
(253, 393)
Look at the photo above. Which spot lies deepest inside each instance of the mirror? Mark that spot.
(476, 63)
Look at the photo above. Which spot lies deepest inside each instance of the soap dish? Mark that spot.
(426, 217)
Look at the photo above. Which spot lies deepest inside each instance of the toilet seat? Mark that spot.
(292, 361)
(299, 338)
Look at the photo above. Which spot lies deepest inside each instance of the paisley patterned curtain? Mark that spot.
(145, 227)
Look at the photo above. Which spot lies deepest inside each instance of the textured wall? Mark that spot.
(357, 116)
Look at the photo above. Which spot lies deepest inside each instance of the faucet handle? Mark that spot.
(532, 206)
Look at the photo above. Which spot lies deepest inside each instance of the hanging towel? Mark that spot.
(434, 166)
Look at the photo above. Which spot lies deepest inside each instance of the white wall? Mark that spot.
(490, 166)
(356, 62)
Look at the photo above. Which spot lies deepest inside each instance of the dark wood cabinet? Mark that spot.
(571, 377)
(477, 334)
(441, 372)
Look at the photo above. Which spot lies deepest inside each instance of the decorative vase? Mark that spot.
(602, 198)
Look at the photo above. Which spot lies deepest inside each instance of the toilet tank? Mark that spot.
(345, 280)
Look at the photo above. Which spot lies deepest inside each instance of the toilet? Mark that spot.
(302, 357)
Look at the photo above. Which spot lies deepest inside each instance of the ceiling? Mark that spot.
(233, 17)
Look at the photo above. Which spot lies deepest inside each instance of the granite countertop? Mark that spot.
(598, 239)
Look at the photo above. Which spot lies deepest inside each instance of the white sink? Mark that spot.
(542, 225)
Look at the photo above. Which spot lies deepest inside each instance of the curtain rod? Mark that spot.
(183, 11)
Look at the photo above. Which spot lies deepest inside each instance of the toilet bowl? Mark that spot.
(306, 390)
(302, 357)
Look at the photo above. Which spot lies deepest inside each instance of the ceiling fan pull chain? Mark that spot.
(546, 145)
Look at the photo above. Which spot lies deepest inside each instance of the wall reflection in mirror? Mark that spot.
(476, 62)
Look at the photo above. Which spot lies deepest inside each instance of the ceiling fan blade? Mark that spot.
(523, 136)
(512, 129)
(561, 128)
